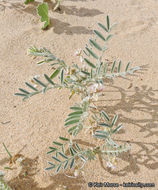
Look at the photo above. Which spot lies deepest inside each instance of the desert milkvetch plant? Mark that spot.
(88, 81)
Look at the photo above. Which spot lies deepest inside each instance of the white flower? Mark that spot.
(2, 185)
(76, 173)
(35, 85)
(82, 74)
(85, 114)
(95, 97)
(78, 52)
(93, 88)
(110, 165)
(20, 159)
(87, 128)
(61, 187)
(86, 99)
(96, 88)
(2, 173)
(100, 87)
(73, 77)
(67, 71)
(81, 59)
(37, 76)
(84, 67)
(79, 88)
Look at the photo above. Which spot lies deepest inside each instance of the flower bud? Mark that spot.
(78, 52)
(76, 173)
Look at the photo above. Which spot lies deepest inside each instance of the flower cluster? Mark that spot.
(94, 90)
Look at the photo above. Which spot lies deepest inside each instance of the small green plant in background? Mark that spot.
(3, 184)
(88, 81)
(42, 11)
(13, 160)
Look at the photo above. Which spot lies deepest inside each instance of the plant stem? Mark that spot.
(7, 150)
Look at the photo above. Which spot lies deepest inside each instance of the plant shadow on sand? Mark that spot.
(81, 12)
(25, 180)
(58, 26)
(143, 100)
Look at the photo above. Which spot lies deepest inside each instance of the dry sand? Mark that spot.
(30, 127)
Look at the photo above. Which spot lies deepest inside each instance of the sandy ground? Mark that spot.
(28, 128)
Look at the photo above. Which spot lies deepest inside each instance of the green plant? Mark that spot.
(3, 184)
(88, 82)
(12, 159)
(42, 11)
